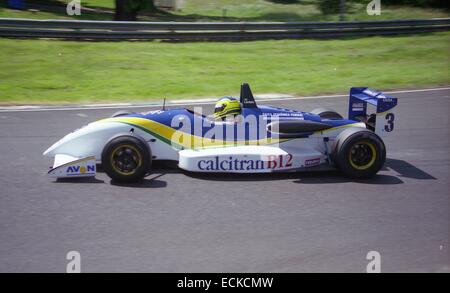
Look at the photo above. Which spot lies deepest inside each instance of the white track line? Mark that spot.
(182, 102)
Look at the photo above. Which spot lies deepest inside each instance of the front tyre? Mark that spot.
(126, 158)
(359, 154)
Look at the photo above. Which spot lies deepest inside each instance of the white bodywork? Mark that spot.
(83, 148)
(90, 140)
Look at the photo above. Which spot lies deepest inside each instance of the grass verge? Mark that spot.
(50, 71)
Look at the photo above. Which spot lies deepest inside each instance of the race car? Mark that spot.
(248, 139)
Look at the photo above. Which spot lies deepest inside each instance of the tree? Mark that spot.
(420, 3)
(329, 6)
(129, 9)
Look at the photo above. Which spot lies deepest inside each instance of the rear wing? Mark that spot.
(383, 120)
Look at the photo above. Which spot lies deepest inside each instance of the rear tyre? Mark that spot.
(359, 153)
(121, 113)
(327, 113)
(126, 158)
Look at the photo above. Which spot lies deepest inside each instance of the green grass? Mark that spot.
(238, 10)
(49, 71)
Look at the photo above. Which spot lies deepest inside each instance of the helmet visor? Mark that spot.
(219, 108)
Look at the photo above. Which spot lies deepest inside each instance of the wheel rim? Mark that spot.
(362, 155)
(126, 159)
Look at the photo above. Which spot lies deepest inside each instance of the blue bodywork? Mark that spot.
(166, 117)
(359, 98)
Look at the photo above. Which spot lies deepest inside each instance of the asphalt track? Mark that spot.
(178, 222)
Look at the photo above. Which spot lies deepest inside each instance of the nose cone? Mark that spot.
(59, 147)
(88, 140)
(50, 152)
(47, 152)
(69, 144)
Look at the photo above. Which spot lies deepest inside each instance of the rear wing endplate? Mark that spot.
(383, 119)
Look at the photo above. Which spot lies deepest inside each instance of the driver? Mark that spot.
(227, 107)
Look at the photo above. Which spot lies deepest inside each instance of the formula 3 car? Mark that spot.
(261, 139)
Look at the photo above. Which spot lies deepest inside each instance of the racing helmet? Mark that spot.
(226, 106)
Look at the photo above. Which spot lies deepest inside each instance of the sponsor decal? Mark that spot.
(283, 114)
(80, 169)
(249, 101)
(153, 112)
(358, 107)
(239, 164)
(312, 162)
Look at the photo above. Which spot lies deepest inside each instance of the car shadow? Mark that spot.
(337, 177)
(407, 170)
(240, 176)
(312, 177)
(152, 182)
(403, 168)
(79, 180)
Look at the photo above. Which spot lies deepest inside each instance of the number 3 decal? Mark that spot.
(389, 122)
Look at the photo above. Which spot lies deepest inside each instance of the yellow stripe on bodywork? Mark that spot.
(182, 139)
